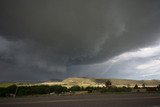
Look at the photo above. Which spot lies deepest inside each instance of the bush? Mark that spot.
(90, 89)
(151, 89)
(75, 88)
(58, 89)
(115, 89)
(42, 89)
(3, 92)
(136, 87)
(104, 90)
(23, 91)
(158, 87)
(12, 89)
(108, 84)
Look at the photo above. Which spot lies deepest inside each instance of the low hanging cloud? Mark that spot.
(142, 53)
(142, 63)
(43, 39)
(20, 62)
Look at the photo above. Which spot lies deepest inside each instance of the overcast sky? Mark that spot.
(56, 39)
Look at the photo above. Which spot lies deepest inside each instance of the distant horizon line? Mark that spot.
(60, 79)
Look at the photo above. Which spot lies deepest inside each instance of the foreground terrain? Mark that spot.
(107, 100)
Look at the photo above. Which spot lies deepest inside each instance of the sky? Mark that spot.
(56, 39)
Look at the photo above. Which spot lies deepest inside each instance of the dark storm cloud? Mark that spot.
(49, 35)
(20, 60)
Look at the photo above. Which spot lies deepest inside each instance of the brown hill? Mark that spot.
(116, 82)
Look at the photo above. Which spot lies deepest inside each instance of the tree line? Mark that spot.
(14, 90)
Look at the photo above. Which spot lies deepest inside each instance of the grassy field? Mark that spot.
(7, 84)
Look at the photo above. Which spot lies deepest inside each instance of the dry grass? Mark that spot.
(100, 82)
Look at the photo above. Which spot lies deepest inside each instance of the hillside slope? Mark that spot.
(116, 82)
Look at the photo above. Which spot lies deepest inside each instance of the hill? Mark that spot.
(85, 81)
(115, 82)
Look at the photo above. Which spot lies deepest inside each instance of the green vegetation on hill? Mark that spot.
(6, 84)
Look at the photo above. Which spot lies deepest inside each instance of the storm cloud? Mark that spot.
(45, 39)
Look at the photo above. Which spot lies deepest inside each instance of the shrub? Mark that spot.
(103, 90)
(3, 92)
(90, 89)
(151, 89)
(108, 84)
(42, 89)
(23, 90)
(136, 87)
(115, 89)
(158, 87)
(12, 89)
(58, 89)
(75, 88)
(143, 85)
